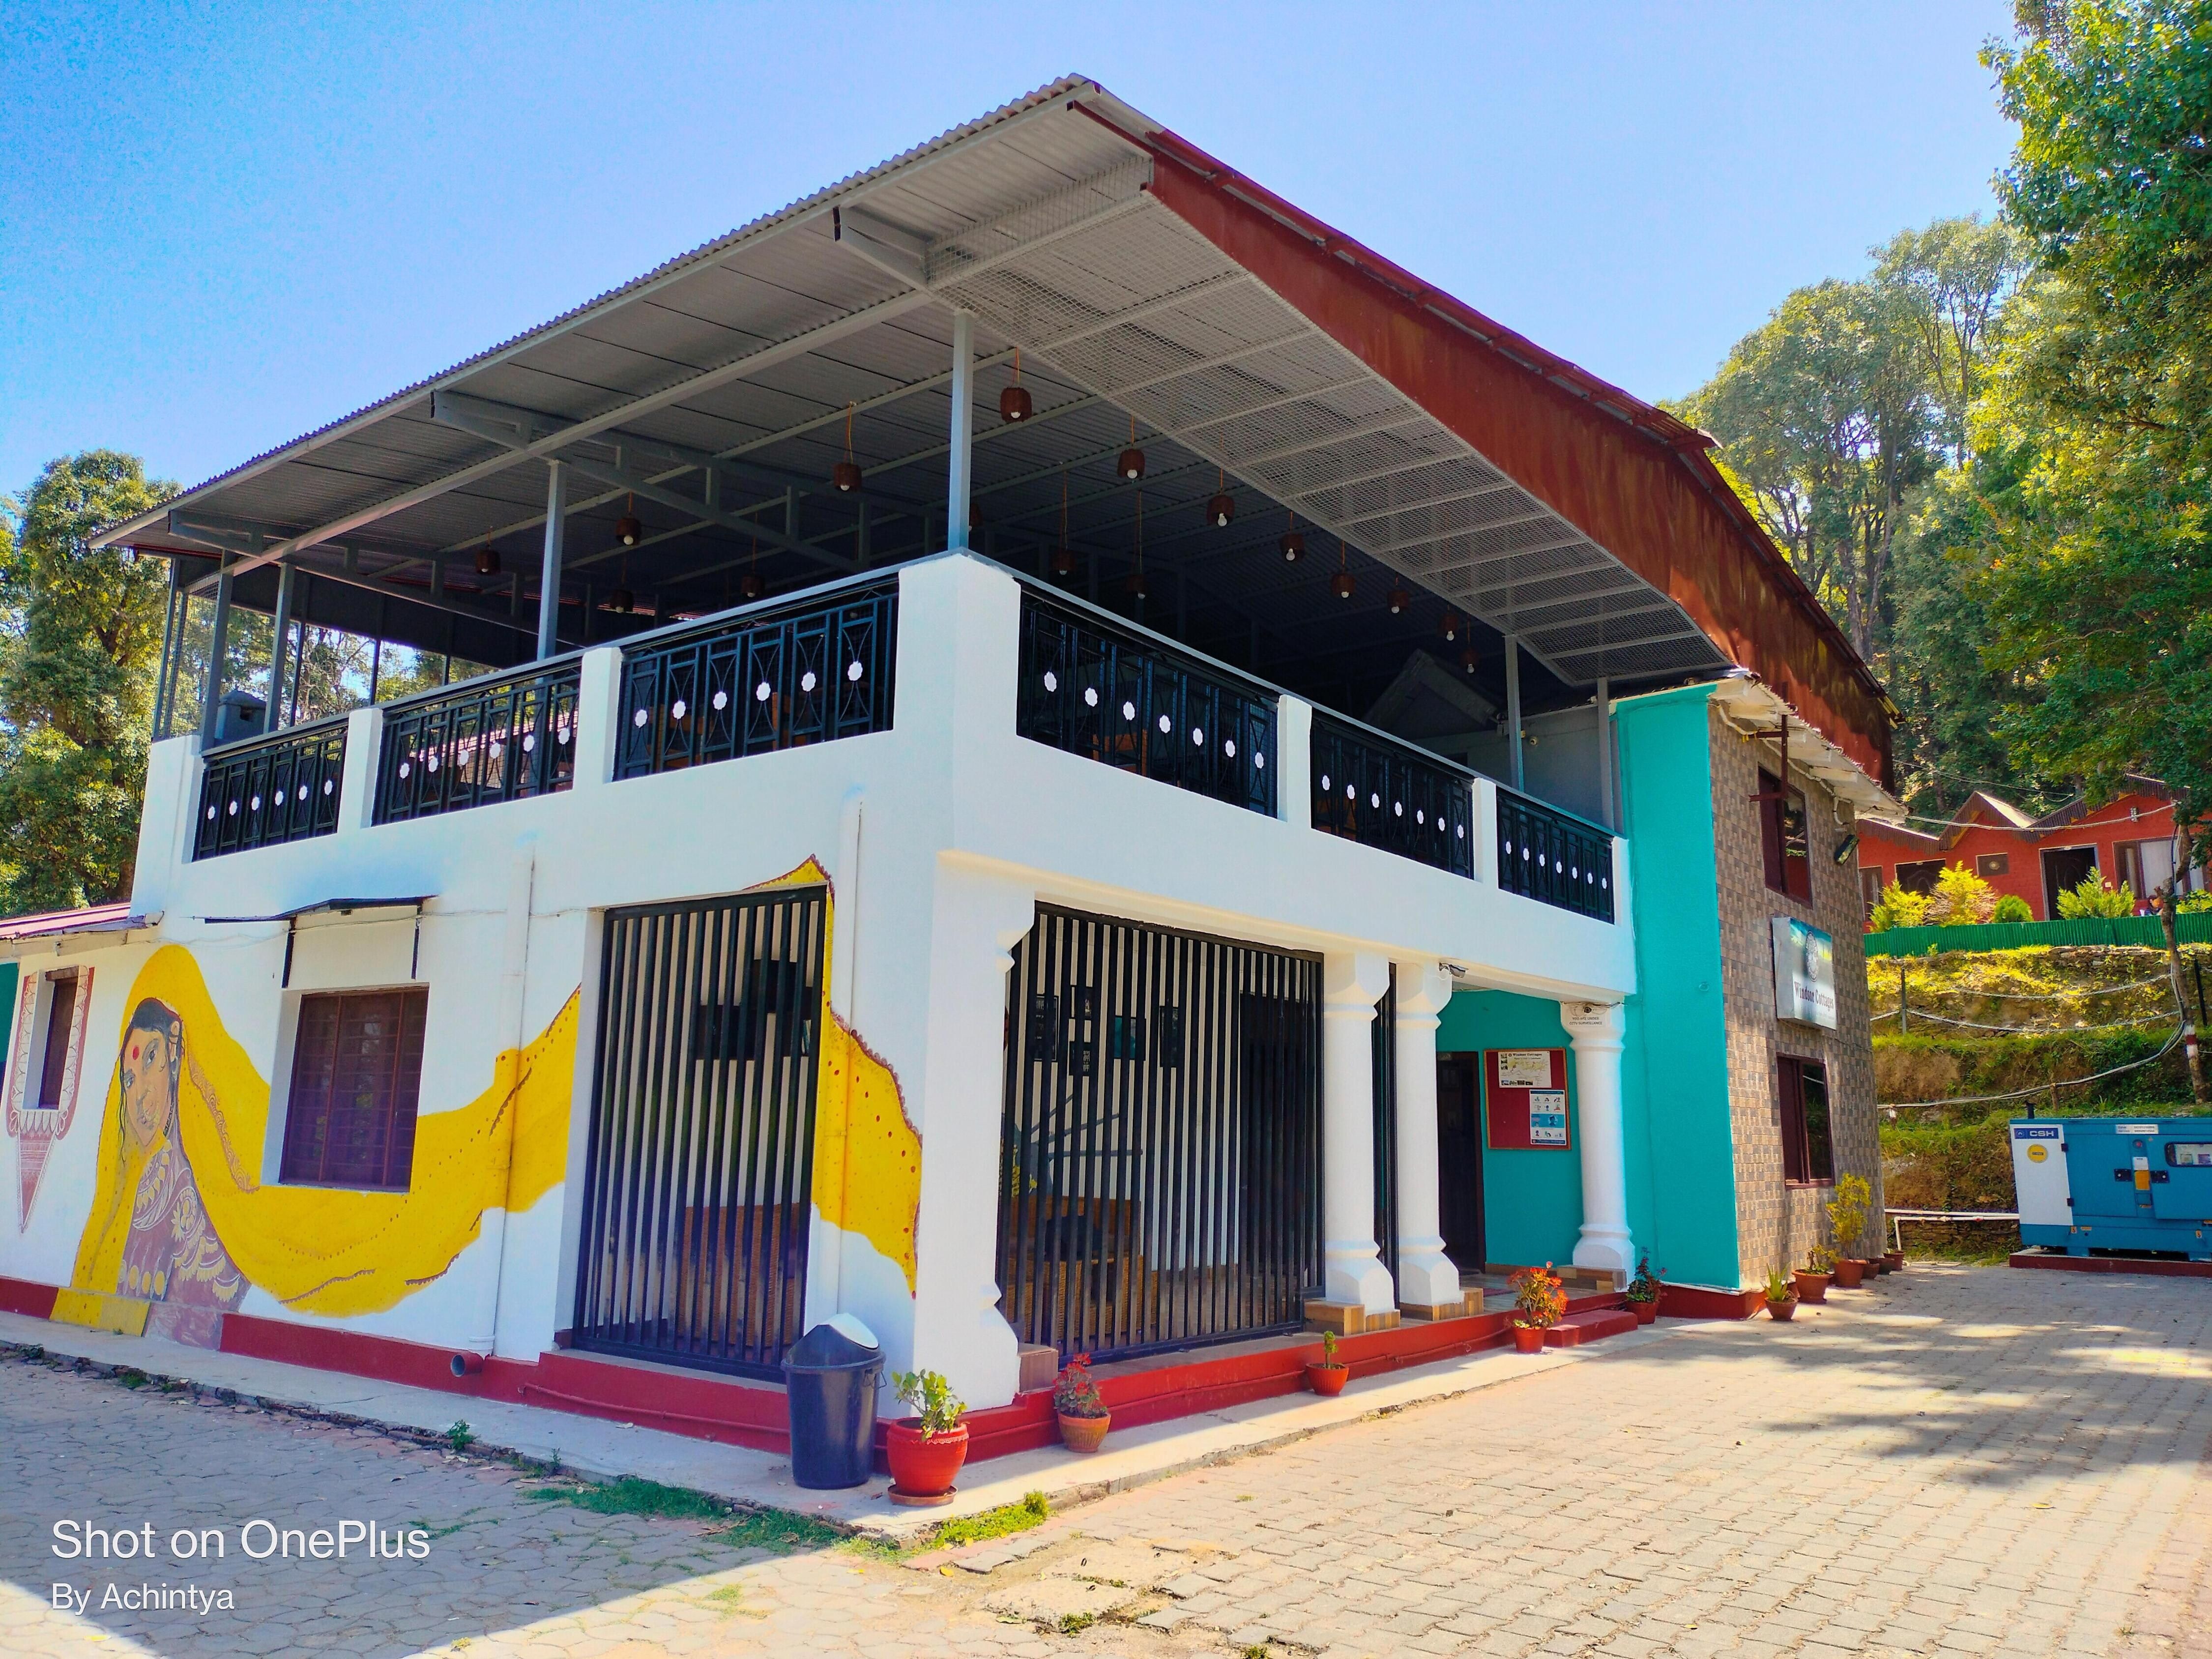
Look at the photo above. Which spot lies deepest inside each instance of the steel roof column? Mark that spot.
(960, 471)
(1605, 754)
(549, 591)
(1513, 703)
(273, 716)
(218, 647)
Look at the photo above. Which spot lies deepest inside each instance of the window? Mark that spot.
(2146, 866)
(356, 1071)
(1870, 888)
(60, 1019)
(1782, 838)
(1919, 877)
(1992, 864)
(1808, 1151)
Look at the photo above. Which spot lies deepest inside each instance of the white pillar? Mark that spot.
(1595, 1029)
(1427, 1278)
(959, 467)
(1351, 984)
(549, 591)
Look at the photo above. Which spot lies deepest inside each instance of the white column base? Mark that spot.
(1355, 1272)
(1426, 1277)
(1605, 1249)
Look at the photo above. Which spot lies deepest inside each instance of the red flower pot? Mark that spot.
(1328, 1379)
(1847, 1273)
(1528, 1339)
(1895, 1259)
(1083, 1434)
(1782, 1312)
(925, 1468)
(1811, 1287)
(1646, 1312)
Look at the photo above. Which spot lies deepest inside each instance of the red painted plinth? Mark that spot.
(2114, 1264)
(1577, 1328)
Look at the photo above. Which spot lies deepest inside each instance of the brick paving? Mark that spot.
(1957, 1463)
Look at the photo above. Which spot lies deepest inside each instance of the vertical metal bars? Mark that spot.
(499, 739)
(1386, 1124)
(700, 1167)
(760, 680)
(268, 790)
(1160, 1146)
(1380, 792)
(1553, 857)
(1111, 695)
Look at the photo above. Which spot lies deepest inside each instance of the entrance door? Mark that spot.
(1459, 1157)
(700, 1168)
(2064, 867)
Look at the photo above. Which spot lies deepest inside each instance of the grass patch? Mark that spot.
(1075, 1624)
(777, 1531)
(132, 1377)
(629, 1495)
(1006, 1519)
(730, 1595)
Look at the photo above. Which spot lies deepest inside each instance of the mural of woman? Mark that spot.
(172, 1257)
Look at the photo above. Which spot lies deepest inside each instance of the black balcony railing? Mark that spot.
(1553, 857)
(1133, 702)
(1381, 793)
(493, 739)
(759, 680)
(273, 789)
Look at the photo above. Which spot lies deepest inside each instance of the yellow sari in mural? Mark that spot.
(180, 1220)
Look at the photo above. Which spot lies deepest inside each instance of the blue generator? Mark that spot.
(2115, 1183)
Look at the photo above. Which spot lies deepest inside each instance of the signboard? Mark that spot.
(1804, 973)
(1524, 1093)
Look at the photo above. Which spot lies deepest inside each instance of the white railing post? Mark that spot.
(599, 716)
(1294, 760)
(1485, 832)
(357, 783)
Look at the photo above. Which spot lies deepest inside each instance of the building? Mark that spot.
(969, 822)
(2128, 839)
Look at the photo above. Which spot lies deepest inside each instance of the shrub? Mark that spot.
(1897, 908)
(1075, 1391)
(1962, 898)
(1540, 1297)
(1646, 1286)
(1847, 1210)
(2012, 908)
(2190, 904)
(2095, 897)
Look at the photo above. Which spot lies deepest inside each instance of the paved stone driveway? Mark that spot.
(1958, 1463)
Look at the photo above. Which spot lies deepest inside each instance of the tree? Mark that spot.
(80, 635)
(1953, 279)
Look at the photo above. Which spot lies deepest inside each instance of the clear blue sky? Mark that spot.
(223, 225)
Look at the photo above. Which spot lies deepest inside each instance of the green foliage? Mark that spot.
(1075, 1391)
(777, 1531)
(1538, 1297)
(1645, 1286)
(80, 638)
(2011, 907)
(1920, 1067)
(1897, 907)
(938, 1409)
(460, 1436)
(1780, 1287)
(2095, 897)
(1962, 898)
(1031, 1510)
(2190, 904)
(631, 1495)
(1847, 1210)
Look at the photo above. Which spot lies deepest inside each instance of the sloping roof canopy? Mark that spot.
(1141, 289)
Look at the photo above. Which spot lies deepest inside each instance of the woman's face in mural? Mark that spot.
(149, 1090)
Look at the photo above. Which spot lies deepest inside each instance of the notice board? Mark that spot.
(1524, 1093)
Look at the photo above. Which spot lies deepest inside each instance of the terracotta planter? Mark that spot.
(1782, 1312)
(1528, 1339)
(924, 1470)
(1896, 1261)
(1328, 1379)
(1811, 1287)
(1083, 1434)
(1646, 1312)
(1848, 1273)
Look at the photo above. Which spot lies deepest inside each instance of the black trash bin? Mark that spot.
(830, 1375)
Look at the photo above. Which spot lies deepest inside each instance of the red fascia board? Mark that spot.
(1659, 505)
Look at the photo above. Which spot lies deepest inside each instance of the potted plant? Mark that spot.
(1813, 1278)
(1781, 1297)
(1893, 1261)
(1539, 1301)
(928, 1448)
(1847, 1215)
(1643, 1292)
(1328, 1373)
(1084, 1419)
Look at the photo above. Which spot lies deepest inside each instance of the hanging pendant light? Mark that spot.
(1131, 465)
(627, 531)
(749, 585)
(1291, 543)
(1222, 509)
(1341, 583)
(487, 559)
(1063, 555)
(1467, 660)
(846, 475)
(1014, 403)
(620, 599)
(1398, 598)
(1448, 626)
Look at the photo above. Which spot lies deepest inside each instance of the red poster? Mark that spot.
(1524, 1095)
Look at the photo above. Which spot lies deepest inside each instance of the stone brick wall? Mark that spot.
(1776, 1223)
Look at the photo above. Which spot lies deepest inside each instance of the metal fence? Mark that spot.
(761, 680)
(1115, 695)
(1379, 792)
(270, 790)
(700, 1167)
(1160, 1148)
(489, 740)
(1385, 1096)
(1553, 857)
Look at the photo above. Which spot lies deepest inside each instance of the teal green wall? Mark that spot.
(10, 974)
(1532, 1202)
(1680, 1149)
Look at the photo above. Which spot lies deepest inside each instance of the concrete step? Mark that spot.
(1577, 1328)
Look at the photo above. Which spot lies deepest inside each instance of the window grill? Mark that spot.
(1553, 857)
(356, 1080)
(699, 1171)
(1160, 1148)
(493, 739)
(1113, 695)
(1380, 792)
(759, 680)
(266, 791)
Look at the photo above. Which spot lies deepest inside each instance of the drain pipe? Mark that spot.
(514, 960)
